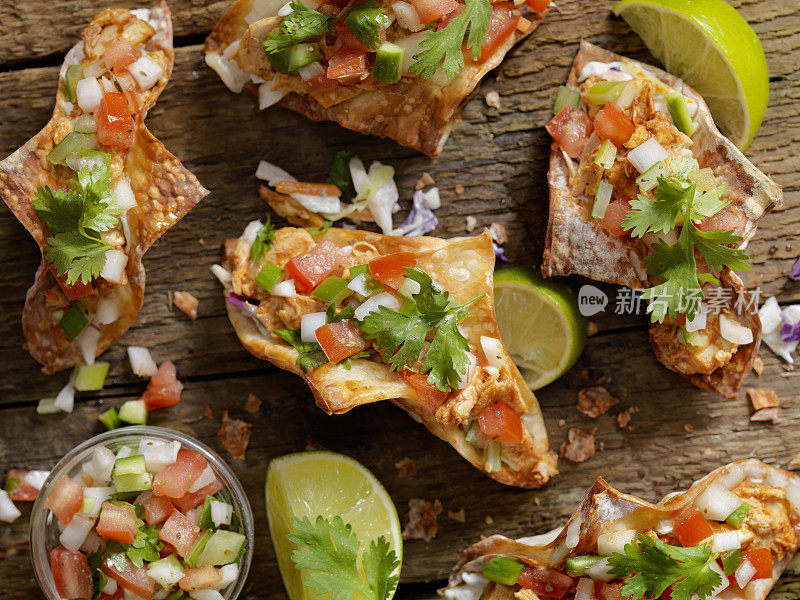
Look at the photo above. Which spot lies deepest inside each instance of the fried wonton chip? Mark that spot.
(607, 517)
(577, 244)
(463, 267)
(164, 190)
(415, 112)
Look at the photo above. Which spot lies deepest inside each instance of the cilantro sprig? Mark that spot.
(364, 21)
(650, 566)
(309, 354)
(444, 47)
(263, 242)
(331, 550)
(76, 217)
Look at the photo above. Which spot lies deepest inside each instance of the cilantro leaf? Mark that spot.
(77, 256)
(100, 211)
(298, 26)
(330, 549)
(715, 248)
(10, 484)
(331, 316)
(322, 228)
(340, 169)
(446, 359)
(364, 21)
(399, 338)
(309, 354)
(95, 560)
(60, 210)
(263, 242)
(648, 216)
(650, 566)
(444, 47)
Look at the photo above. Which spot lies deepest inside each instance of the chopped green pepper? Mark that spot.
(503, 569)
(731, 561)
(110, 419)
(74, 321)
(269, 276)
(566, 96)
(71, 78)
(333, 290)
(736, 518)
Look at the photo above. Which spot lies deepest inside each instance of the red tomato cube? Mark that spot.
(340, 340)
(389, 269)
(119, 53)
(117, 522)
(347, 66)
(157, 509)
(548, 582)
(501, 422)
(538, 5)
(310, 269)
(761, 559)
(615, 214)
(609, 591)
(611, 123)
(503, 22)
(571, 129)
(426, 393)
(115, 126)
(132, 578)
(430, 10)
(691, 527)
(66, 499)
(191, 500)
(322, 85)
(180, 532)
(177, 478)
(200, 578)
(24, 492)
(163, 389)
(73, 291)
(71, 574)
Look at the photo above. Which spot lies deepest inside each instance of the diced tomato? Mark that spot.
(24, 492)
(300, 187)
(351, 42)
(192, 499)
(611, 123)
(66, 499)
(427, 393)
(163, 389)
(571, 129)
(430, 10)
(389, 268)
(608, 591)
(177, 478)
(499, 421)
(201, 578)
(166, 550)
(761, 559)
(538, 5)
(73, 291)
(180, 532)
(132, 578)
(322, 85)
(667, 595)
(340, 340)
(691, 527)
(548, 582)
(724, 219)
(310, 269)
(120, 53)
(502, 24)
(445, 20)
(616, 211)
(115, 126)
(117, 522)
(347, 66)
(157, 509)
(71, 574)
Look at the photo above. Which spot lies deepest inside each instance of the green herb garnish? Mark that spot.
(340, 169)
(298, 26)
(309, 354)
(364, 21)
(263, 242)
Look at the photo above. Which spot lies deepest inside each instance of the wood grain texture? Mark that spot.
(499, 156)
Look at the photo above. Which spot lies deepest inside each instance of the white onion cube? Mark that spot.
(124, 194)
(75, 532)
(646, 154)
(114, 267)
(146, 71)
(89, 93)
(142, 363)
(221, 513)
(309, 323)
(8, 512)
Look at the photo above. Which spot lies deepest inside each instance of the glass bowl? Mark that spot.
(44, 532)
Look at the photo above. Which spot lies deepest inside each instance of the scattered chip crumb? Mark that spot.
(498, 233)
(706, 451)
(489, 520)
(604, 380)
(689, 428)
(201, 242)
(765, 414)
(472, 223)
(624, 417)
(169, 300)
(592, 329)
(234, 435)
(187, 303)
(601, 446)
(787, 367)
(252, 404)
(579, 446)
(583, 374)
(459, 189)
(758, 365)
(537, 501)
(312, 446)
(421, 519)
(458, 515)
(795, 464)
(561, 422)
(492, 99)
(208, 413)
(595, 401)
(406, 467)
(426, 179)
(762, 398)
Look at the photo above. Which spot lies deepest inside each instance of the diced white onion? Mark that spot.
(102, 464)
(665, 527)
(770, 315)
(67, 106)
(272, 174)
(8, 512)
(36, 479)
(411, 46)
(75, 532)
(725, 541)
(286, 9)
(734, 332)
(466, 377)
(87, 343)
(358, 174)
(382, 195)
(94, 69)
(146, 71)
(114, 267)
(319, 204)
(222, 274)
(646, 154)
(309, 323)
(315, 69)
(250, 232)
(221, 513)
(231, 73)
(744, 573)
(193, 515)
(142, 363)
(92, 542)
(89, 94)
(373, 304)
(108, 87)
(432, 198)
(165, 573)
(206, 595)
(99, 495)
(65, 400)
(585, 589)
(776, 478)
(124, 452)
(110, 309)
(359, 285)
(614, 541)
(205, 478)
(408, 289)
(124, 194)
(492, 350)
(793, 494)
(159, 454)
(284, 289)
(267, 96)
(230, 573)
(700, 319)
(600, 571)
(717, 503)
(110, 587)
(407, 16)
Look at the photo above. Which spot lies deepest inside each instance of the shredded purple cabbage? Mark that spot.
(794, 272)
(242, 304)
(790, 329)
(499, 252)
(420, 220)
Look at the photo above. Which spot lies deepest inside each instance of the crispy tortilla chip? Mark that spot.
(414, 112)
(164, 189)
(464, 267)
(606, 509)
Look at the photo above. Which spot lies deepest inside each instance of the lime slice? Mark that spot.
(540, 324)
(328, 484)
(711, 47)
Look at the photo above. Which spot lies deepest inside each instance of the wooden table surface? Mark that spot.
(500, 157)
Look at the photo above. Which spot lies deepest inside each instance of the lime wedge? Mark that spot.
(540, 324)
(713, 49)
(324, 483)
